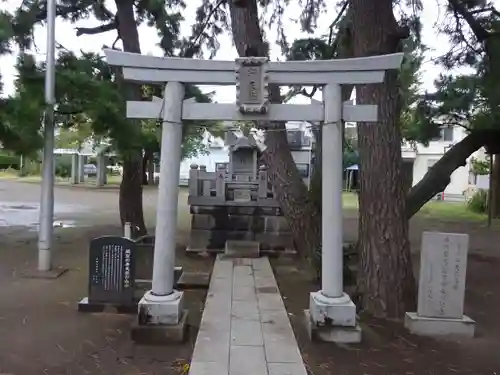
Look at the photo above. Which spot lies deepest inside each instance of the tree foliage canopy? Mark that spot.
(87, 89)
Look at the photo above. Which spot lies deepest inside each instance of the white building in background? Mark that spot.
(420, 158)
(417, 158)
(300, 140)
(217, 152)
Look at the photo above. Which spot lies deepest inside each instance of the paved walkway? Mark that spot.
(245, 328)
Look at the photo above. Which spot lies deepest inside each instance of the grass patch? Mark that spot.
(437, 210)
(451, 211)
(12, 174)
(350, 201)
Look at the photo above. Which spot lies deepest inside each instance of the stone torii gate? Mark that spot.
(331, 310)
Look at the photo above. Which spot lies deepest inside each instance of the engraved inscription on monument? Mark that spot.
(242, 195)
(111, 270)
(442, 275)
(251, 85)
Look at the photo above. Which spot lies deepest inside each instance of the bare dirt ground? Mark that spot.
(387, 348)
(41, 331)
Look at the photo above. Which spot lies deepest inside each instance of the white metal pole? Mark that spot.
(74, 168)
(332, 215)
(127, 230)
(47, 195)
(168, 191)
(81, 169)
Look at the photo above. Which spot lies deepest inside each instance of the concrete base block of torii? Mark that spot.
(440, 327)
(161, 320)
(332, 319)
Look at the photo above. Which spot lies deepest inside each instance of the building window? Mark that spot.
(221, 165)
(448, 133)
(303, 169)
(445, 134)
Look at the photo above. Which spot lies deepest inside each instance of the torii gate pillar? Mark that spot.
(332, 314)
(161, 310)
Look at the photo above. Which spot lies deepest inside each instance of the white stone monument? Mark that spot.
(441, 290)
(332, 313)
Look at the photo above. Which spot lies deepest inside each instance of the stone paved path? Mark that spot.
(245, 328)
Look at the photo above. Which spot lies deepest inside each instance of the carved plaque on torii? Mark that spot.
(252, 85)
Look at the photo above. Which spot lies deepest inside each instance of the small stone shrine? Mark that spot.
(111, 275)
(441, 290)
(235, 202)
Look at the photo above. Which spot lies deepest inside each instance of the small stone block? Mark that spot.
(54, 273)
(160, 334)
(335, 314)
(337, 334)
(194, 280)
(440, 327)
(242, 249)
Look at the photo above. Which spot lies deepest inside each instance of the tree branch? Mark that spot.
(97, 30)
(476, 27)
(192, 46)
(438, 176)
(336, 20)
(459, 30)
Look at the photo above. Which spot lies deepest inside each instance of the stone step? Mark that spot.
(242, 249)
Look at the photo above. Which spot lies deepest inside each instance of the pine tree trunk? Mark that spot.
(386, 282)
(131, 209)
(290, 191)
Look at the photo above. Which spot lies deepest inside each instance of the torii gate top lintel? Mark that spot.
(252, 75)
(137, 67)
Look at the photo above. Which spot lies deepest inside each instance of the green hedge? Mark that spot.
(9, 161)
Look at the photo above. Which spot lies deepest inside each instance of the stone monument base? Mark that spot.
(337, 334)
(161, 319)
(440, 327)
(332, 319)
(54, 273)
(85, 306)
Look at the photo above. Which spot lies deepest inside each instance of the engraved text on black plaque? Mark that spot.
(111, 270)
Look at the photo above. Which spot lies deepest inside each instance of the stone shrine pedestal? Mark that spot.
(441, 288)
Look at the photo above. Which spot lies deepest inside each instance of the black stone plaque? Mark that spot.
(111, 270)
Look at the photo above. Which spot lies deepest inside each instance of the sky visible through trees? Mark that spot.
(66, 37)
